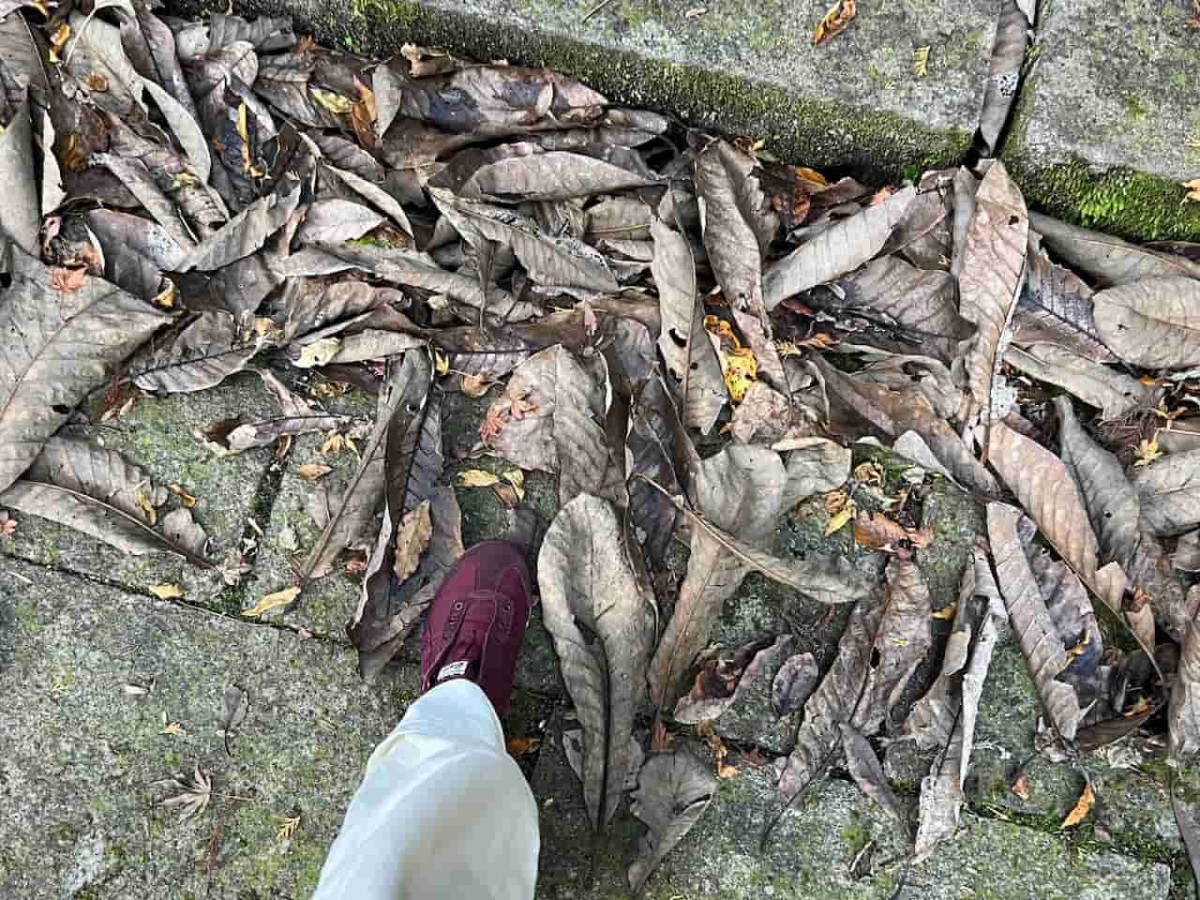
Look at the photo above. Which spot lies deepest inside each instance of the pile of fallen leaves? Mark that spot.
(187, 200)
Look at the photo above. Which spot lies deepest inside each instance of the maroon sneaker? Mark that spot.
(477, 620)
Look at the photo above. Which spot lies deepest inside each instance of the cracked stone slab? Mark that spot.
(92, 677)
(739, 66)
(1107, 126)
(158, 435)
(1116, 85)
(812, 852)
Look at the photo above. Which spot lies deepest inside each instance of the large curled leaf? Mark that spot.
(1004, 72)
(738, 490)
(1031, 621)
(551, 418)
(401, 396)
(824, 579)
(903, 640)
(244, 233)
(921, 303)
(674, 789)
(988, 285)
(942, 789)
(1154, 323)
(892, 413)
(337, 220)
(1048, 494)
(56, 347)
(201, 356)
(1115, 511)
(1056, 307)
(96, 491)
(548, 259)
(522, 171)
(1111, 391)
(691, 362)
(596, 611)
(837, 250)
(1107, 260)
(834, 700)
(1170, 492)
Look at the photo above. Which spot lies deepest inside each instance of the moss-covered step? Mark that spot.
(740, 66)
(1108, 125)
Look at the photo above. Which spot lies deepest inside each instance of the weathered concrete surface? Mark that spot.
(813, 849)
(1107, 125)
(94, 675)
(740, 67)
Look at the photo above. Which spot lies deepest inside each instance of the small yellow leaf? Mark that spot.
(921, 62)
(1147, 452)
(412, 537)
(1082, 807)
(947, 612)
(172, 728)
(167, 591)
(313, 471)
(318, 353)
(288, 828)
(835, 20)
(475, 385)
(441, 362)
(143, 500)
(841, 518)
(188, 500)
(477, 478)
(1193, 187)
(517, 479)
(279, 598)
(335, 103)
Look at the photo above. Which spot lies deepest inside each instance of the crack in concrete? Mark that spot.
(183, 602)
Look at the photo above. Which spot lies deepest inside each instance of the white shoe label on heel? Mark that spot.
(455, 668)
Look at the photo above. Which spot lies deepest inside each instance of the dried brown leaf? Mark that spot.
(1153, 323)
(587, 582)
(993, 261)
(1031, 621)
(1170, 492)
(57, 348)
(1048, 494)
(837, 250)
(674, 789)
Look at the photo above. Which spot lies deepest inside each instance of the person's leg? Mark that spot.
(442, 811)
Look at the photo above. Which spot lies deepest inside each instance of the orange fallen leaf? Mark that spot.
(835, 21)
(519, 746)
(1020, 787)
(269, 602)
(475, 385)
(181, 492)
(1083, 806)
(67, 281)
(878, 532)
(313, 471)
(841, 518)
(412, 537)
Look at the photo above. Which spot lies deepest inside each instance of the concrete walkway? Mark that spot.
(110, 693)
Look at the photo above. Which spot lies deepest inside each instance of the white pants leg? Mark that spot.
(442, 811)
